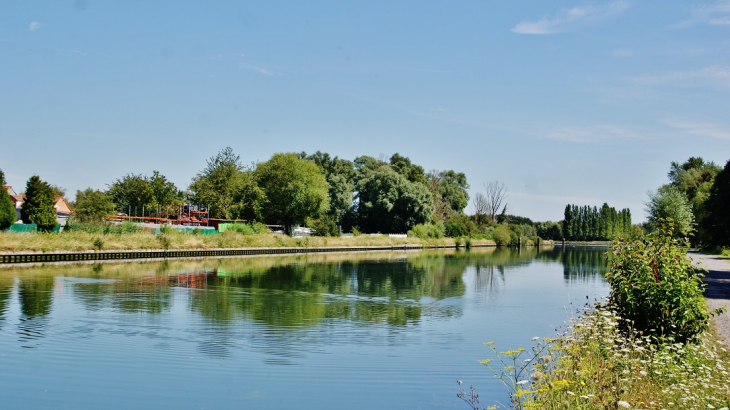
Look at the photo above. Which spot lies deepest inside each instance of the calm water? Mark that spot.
(358, 331)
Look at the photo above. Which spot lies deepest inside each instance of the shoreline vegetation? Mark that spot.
(651, 345)
(599, 361)
(85, 241)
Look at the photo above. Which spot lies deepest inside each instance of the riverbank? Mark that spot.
(83, 246)
(83, 241)
(593, 364)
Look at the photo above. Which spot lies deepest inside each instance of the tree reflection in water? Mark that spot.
(36, 299)
(394, 289)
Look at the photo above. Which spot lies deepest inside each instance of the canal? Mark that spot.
(375, 330)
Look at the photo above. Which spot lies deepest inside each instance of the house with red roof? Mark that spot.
(63, 210)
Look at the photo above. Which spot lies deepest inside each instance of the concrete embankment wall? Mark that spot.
(60, 257)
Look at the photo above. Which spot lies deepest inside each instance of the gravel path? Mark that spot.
(717, 291)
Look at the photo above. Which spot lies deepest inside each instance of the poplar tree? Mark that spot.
(568, 222)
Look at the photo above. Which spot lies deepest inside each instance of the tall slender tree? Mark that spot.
(568, 222)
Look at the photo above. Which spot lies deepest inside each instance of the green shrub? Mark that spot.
(654, 285)
(98, 244)
(459, 225)
(458, 241)
(425, 231)
(502, 235)
(248, 228)
(323, 226)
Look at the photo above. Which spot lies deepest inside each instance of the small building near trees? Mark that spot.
(63, 210)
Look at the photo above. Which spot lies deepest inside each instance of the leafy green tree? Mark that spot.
(335, 165)
(449, 190)
(365, 166)
(164, 193)
(695, 178)
(549, 230)
(248, 199)
(58, 191)
(295, 189)
(389, 203)
(404, 166)
(216, 184)
(340, 175)
(38, 206)
(669, 203)
(7, 209)
(717, 222)
(132, 193)
(93, 205)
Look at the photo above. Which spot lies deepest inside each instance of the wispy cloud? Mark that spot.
(666, 86)
(713, 14)
(706, 76)
(35, 25)
(700, 129)
(260, 70)
(569, 19)
(598, 133)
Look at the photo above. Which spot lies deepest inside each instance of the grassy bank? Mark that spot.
(650, 346)
(596, 364)
(82, 241)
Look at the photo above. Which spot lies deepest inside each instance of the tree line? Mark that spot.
(586, 223)
(367, 194)
(696, 200)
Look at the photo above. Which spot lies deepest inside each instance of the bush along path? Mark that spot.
(717, 291)
(647, 347)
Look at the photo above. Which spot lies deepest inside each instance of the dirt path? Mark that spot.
(718, 288)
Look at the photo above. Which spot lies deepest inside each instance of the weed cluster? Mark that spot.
(249, 229)
(600, 361)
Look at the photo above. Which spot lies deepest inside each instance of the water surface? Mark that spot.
(383, 330)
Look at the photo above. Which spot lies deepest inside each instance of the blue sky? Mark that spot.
(579, 102)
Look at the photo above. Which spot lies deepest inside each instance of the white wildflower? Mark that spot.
(623, 404)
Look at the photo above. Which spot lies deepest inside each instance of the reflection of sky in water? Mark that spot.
(389, 330)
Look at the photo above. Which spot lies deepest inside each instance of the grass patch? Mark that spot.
(93, 239)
